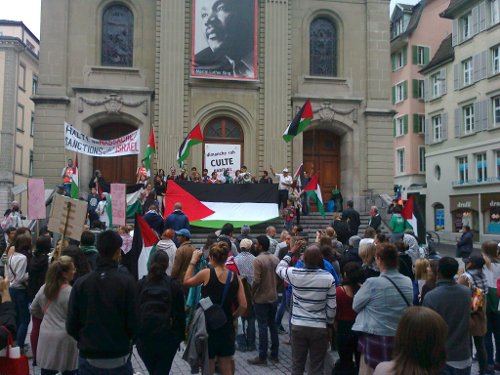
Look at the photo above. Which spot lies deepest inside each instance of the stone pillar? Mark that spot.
(173, 43)
(277, 87)
(8, 126)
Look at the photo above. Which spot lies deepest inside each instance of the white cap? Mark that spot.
(285, 170)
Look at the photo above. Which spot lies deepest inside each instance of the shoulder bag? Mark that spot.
(215, 316)
(399, 290)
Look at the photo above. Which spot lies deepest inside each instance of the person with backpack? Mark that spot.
(221, 289)
(161, 317)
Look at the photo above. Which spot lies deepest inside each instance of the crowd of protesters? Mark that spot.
(384, 307)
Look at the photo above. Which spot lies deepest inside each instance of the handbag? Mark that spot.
(215, 317)
(10, 365)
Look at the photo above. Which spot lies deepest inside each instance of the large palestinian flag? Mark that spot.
(213, 205)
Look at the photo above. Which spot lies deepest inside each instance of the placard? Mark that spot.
(75, 218)
(36, 199)
(75, 140)
(118, 203)
(219, 157)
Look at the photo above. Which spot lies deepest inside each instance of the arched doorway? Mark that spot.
(224, 131)
(322, 155)
(120, 169)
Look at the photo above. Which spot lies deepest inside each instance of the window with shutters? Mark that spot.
(421, 159)
(418, 123)
(465, 26)
(496, 110)
(467, 72)
(401, 167)
(436, 85)
(463, 169)
(482, 167)
(421, 89)
(400, 92)
(398, 60)
(468, 119)
(323, 48)
(398, 27)
(495, 11)
(400, 126)
(422, 55)
(437, 128)
(117, 40)
(495, 60)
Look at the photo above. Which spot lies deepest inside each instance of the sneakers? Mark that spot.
(281, 330)
(258, 361)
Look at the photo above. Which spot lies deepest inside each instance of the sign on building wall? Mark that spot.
(224, 43)
(75, 140)
(219, 157)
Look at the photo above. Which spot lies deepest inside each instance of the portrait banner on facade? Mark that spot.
(75, 140)
(224, 39)
(221, 157)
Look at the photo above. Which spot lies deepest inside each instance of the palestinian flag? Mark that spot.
(150, 150)
(194, 137)
(213, 205)
(414, 218)
(299, 123)
(299, 175)
(75, 186)
(134, 204)
(143, 243)
(313, 190)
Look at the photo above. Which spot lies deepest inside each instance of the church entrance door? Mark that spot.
(120, 169)
(322, 155)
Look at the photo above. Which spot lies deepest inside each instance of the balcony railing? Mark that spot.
(473, 182)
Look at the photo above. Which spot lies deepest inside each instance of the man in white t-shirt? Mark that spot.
(284, 185)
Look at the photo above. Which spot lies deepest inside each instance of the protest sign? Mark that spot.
(118, 204)
(75, 140)
(36, 199)
(67, 217)
(219, 157)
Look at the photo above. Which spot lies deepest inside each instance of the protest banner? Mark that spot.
(36, 199)
(75, 140)
(67, 217)
(118, 204)
(219, 157)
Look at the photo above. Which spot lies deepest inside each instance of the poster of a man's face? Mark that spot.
(224, 39)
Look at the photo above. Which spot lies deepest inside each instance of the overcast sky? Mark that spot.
(28, 11)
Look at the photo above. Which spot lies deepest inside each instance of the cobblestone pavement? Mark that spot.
(180, 367)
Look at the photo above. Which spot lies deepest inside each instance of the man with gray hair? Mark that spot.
(375, 218)
(270, 233)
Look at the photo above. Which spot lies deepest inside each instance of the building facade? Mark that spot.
(19, 49)
(416, 33)
(463, 123)
(109, 67)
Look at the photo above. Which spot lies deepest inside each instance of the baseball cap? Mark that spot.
(285, 170)
(246, 243)
(183, 232)
(476, 260)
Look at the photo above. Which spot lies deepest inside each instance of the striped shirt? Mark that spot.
(314, 302)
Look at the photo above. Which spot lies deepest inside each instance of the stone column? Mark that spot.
(173, 43)
(277, 87)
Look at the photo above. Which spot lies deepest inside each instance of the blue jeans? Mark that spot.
(281, 308)
(67, 189)
(249, 329)
(266, 318)
(455, 371)
(492, 333)
(85, 368)
(20, 299)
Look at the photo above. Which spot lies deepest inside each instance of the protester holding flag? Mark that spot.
(284, 185)
(67, 176)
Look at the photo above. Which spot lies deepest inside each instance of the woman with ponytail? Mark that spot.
(57, 351)
(221, 341)
(161, 317)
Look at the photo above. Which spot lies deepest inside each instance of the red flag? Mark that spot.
(407, 212)
(192, 207)
(312, 185)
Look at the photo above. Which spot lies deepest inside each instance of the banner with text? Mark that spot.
(219, 157)
(75, 140)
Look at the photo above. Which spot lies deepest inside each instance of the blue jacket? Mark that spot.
(176, 220)
(465, 244)
(379, 304)
(155, 221)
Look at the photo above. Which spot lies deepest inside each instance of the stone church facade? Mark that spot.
(335, 53)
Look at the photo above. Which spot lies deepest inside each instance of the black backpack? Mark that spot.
(155, 308)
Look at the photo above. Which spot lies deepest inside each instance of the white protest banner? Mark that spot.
(36, 199)
(75, 140)
(118, 203)
(219, 157)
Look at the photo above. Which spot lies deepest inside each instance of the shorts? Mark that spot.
(221, 342)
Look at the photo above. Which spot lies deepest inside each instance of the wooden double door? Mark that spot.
(120, 169)
(322, 156)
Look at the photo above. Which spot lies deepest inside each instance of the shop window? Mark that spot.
(491, 213)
